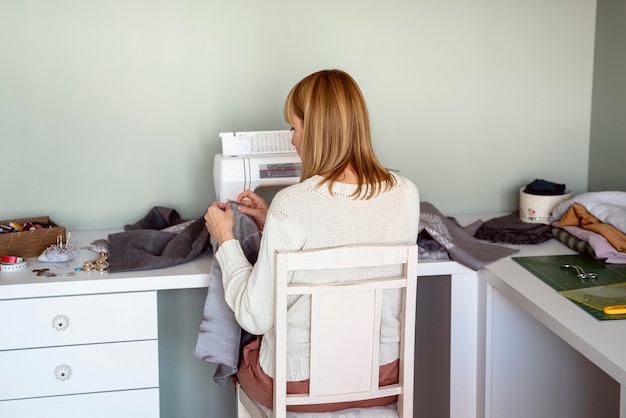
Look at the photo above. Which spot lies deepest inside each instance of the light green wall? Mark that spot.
(607, 168)
(108, 108)
(186, 385)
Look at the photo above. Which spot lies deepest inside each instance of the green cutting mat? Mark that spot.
(548, 269)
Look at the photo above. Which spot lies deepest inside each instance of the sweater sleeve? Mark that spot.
(249, 290)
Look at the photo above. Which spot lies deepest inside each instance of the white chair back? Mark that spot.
(345, 325)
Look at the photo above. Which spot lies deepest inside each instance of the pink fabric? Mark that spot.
(258, 385)
(600, 245)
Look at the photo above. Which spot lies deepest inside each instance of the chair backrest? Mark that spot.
(345, 325)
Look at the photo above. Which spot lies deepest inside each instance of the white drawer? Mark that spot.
(127, 404)
(79, 369)
(44, 322)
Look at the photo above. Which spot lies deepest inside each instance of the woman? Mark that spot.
(345, 197)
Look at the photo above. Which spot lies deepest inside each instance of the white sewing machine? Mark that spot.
(253, 161)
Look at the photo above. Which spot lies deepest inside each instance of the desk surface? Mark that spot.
(24, 283)
(603, 342)
(193, 274)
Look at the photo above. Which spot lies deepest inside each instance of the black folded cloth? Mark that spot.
(150, 243)
(511, 230)
(544, 187)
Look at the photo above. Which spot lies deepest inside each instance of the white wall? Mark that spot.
(110, 107)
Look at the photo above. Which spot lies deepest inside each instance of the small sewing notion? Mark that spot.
(580, 273)
(100, 264)
(60, 252)
(12, 263)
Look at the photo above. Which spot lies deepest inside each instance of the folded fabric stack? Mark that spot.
(594, 224)
(510, 229)
(545, 188)
(439, 234)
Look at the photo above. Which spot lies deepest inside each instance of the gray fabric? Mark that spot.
(461, 246)
(148, 244)
(429, 249)
(510, 229)
(221, 338)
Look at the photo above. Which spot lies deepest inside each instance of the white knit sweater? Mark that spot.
(304, 216)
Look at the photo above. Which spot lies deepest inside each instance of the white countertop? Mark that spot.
(195, 273)
(603, 342)
(25, 283)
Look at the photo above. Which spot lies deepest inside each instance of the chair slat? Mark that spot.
(344, 257)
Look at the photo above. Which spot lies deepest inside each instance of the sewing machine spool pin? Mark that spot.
(580, 273)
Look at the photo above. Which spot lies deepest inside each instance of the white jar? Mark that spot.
(537, 209)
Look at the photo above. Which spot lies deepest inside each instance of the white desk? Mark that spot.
(469, 343)
(601, 342)
(604, 344)
(195, 274)
(99, 356)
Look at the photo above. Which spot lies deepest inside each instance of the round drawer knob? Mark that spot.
(63, 372)
(60, 322)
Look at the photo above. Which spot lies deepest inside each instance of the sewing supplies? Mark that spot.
(615, 310)
(60, 252)
(100, 264)
(15, 226)
(580, 273)
(10, 259)
(44, 272)
(12, 263)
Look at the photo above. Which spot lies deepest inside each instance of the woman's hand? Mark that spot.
(253, 205)
(220, 221)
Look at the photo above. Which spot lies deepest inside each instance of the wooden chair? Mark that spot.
(338, 371)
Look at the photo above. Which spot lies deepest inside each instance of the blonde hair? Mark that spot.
(336, 132)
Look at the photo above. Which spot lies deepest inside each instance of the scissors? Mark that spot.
(580, 273)
(101, 263)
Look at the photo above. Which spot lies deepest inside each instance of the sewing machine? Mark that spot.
(254, 161)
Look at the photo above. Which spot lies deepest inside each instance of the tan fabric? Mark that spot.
(258, 385)
(577, 215)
